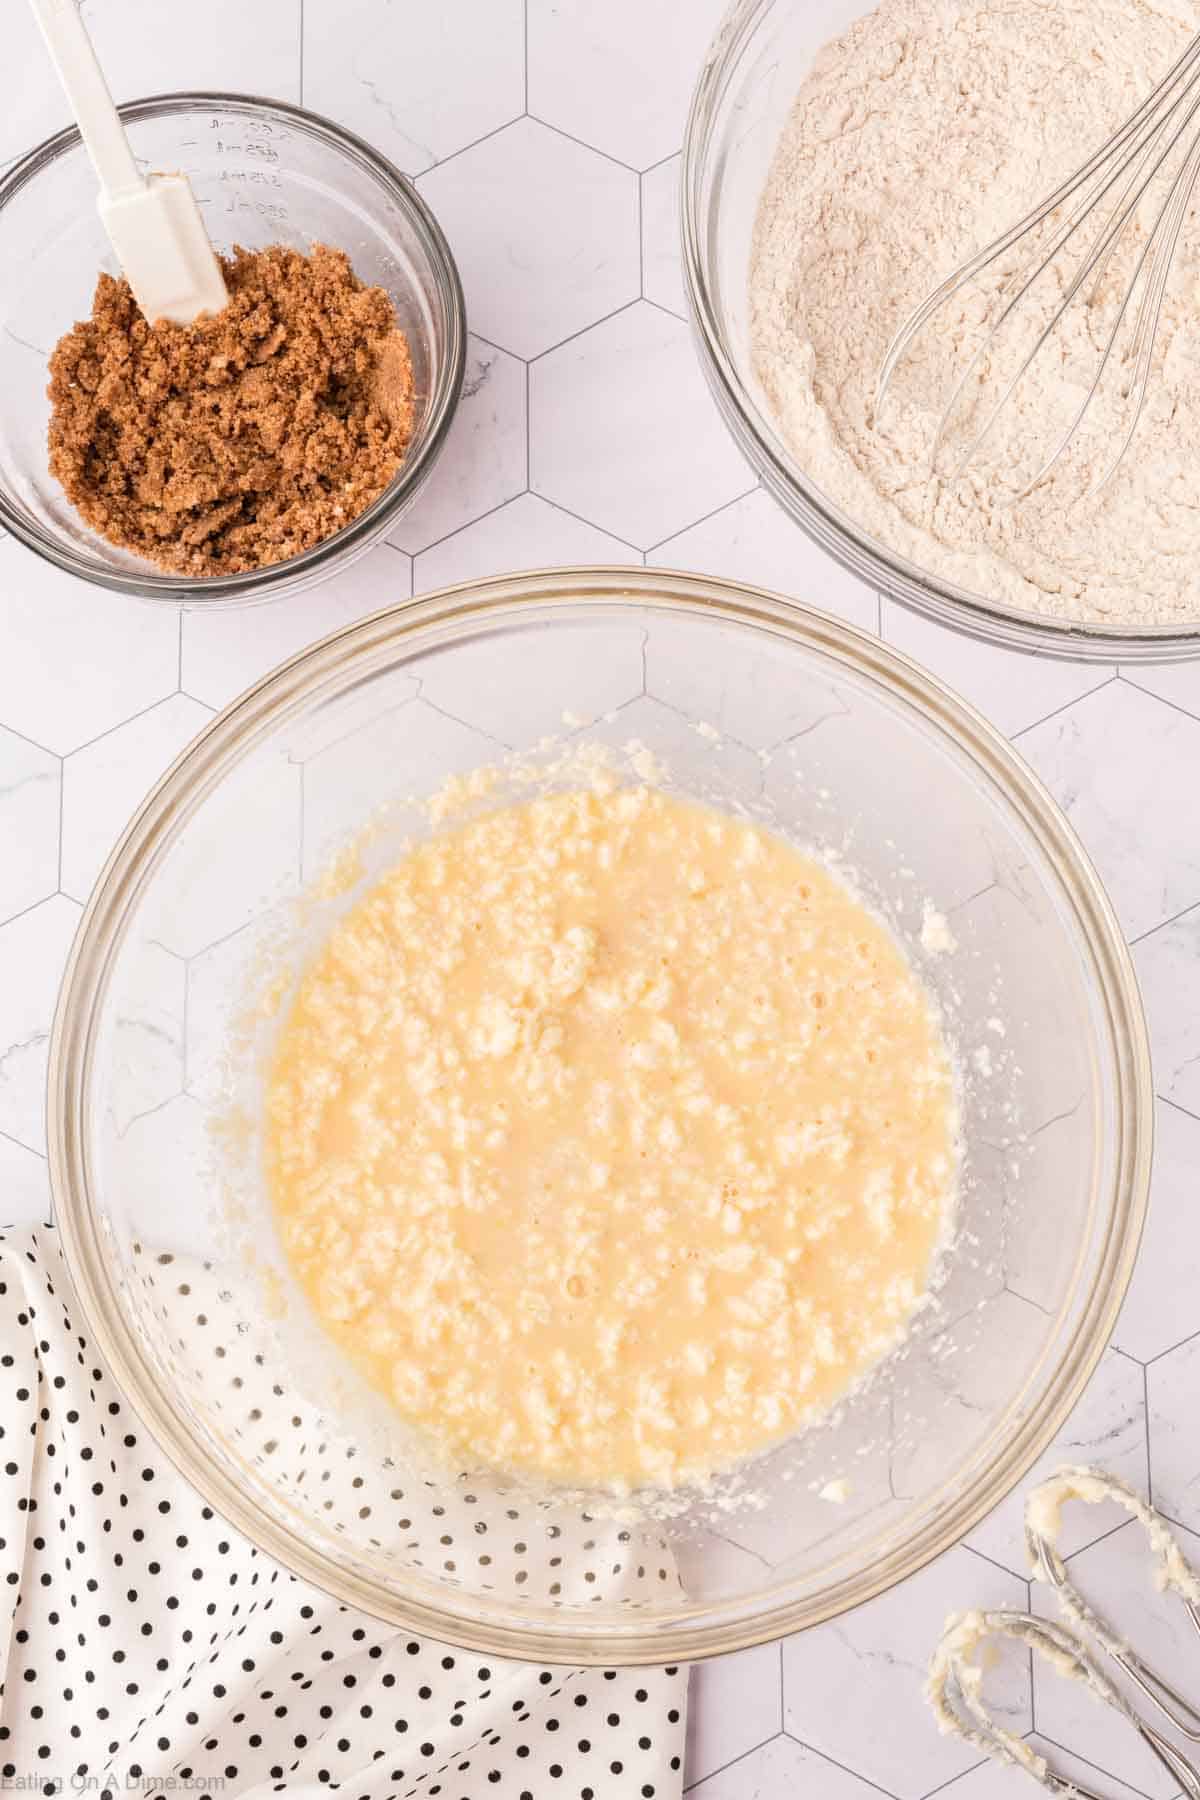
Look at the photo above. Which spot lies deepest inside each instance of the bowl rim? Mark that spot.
(352, 653)
(969, 613)
(260, 584)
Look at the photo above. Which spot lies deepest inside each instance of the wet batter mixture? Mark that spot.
(611, 1137)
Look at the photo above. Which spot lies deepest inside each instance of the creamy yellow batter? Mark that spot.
(611, 1137)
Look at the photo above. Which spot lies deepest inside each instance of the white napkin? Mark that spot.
(146, 1645)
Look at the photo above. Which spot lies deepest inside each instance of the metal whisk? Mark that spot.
(1151, 163)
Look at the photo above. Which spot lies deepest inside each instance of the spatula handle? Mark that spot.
(99, 123)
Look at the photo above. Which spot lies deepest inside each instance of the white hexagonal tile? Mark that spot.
(418, 82)
(24, 1184)
(174, 1136)
(1178, 683)
(1172, 1385)
(1116, 1576)
(1168, 968)
(1126, 770)
(619, 76)
(225, 651)
(139, 57)
(407, 751)
(222, 982)
(662, 263)
(1106, 1430)
(754, 541)
(545, 233)
(33, 952)
(148, 1033)
(730, 686)
(622, 430)
(1163, 1304)
(592, 667)
(853, 1688)
(718, 768)
(43, 613)
(256, 811)
(1012, 689)
(528, 533)
(29, 804)
(997, 1781)
(782, 1768)
(105, 783)
(734, 1703)
(485, 458)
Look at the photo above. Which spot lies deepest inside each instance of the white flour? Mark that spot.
(919, 136)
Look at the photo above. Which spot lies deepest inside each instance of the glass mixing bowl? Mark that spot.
(264, 173)
(760, 55)
(212, 898)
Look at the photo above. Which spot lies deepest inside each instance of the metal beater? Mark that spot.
(1143, 178)
(956, 1676)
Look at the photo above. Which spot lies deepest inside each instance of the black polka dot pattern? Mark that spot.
(147, 1645)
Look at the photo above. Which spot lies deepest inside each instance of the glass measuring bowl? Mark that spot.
(215, 894)
(760, 55)
(263, 173)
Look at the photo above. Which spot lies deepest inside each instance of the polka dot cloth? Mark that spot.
(145, 1644)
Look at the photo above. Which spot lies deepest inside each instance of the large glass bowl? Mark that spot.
(212, 898)
(760, 55)
(263, 173)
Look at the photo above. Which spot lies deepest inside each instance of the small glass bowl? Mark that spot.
(214, 898)
(264, 173)
(754, 66)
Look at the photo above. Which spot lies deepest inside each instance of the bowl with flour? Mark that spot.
(325, 790)
(841, 159)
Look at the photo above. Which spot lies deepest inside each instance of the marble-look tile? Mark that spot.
(24, 1185)
(485, 458)
(139, 57)
(783, 1767)
(997, 1781)
(255, 810)
(1168, 969)
(528, 533)
(754, 541)
(734, 1703)
(853, 1687)
(1106, 1430)
(544, 231)
(592, 669)
(1115, 1575)
(29, 802)
(1161, 1308)
(732, 687)
(105, 783)
(1179, 682)
(405, 752)
(33, 953)
(619, 76)
(662, 261)
(1126, 771)
(418, 82)
(148, 1034)
(1172, 1386)
(220, 981)
(622, 430)
(76, 660)
(225, 651)
(1012, 689)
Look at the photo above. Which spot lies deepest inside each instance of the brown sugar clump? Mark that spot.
(244, 438)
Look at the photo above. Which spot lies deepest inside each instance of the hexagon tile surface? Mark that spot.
(546, 135)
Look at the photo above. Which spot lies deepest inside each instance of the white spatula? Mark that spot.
(153, 221)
